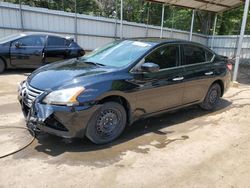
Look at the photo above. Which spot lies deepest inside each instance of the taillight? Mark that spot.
(230, 66)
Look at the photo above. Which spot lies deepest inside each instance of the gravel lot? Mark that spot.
(186, 148)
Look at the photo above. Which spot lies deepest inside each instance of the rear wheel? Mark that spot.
(107, 123)
(2, 66)
(212, 97)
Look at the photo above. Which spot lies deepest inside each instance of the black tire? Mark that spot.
(107, 123)
(212, 97)
(2, 66)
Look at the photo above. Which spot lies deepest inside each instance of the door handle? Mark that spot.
(209, 73)
(178, 78)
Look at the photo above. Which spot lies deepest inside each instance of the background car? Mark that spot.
(32, 50)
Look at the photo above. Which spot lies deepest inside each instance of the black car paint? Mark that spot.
(36, 56)
(141, 93)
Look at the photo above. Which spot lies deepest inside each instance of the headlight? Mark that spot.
(64, 96)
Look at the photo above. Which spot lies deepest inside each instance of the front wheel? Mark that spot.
(212, 97)
(107, 123)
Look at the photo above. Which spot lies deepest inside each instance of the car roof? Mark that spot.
(159, 41)
(43, 33)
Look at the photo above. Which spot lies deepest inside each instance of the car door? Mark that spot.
(28, 51)
(56, 49)
(198, 72)
(164, 89)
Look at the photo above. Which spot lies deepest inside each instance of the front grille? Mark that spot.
(29, 94)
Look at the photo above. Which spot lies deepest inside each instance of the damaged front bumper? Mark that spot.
(63, 121)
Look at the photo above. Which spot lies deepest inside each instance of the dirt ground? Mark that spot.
(186, 148)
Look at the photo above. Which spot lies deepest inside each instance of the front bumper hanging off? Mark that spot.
(63, 121)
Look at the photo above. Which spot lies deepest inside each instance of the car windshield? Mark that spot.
(10, 38)
(117, 53)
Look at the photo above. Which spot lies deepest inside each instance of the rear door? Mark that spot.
(197, 62)
(164, 89)
(56, 49)
(28, 52)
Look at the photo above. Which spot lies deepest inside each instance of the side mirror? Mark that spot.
(150, 67)
(17, 44)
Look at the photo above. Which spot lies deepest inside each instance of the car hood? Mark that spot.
(65, 73)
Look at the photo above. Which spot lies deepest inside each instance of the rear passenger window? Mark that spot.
(56, 41)
(209, 55)
(194, 54)
(165, 57)
(68, 42)
(36, 40)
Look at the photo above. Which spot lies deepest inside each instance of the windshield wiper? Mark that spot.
(94, 63)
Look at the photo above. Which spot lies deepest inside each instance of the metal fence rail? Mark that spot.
(227, 46)
(90, 31)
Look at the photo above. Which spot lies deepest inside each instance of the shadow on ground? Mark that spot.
(138, 138)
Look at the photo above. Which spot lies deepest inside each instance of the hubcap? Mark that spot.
(213, 96)
(107, 122)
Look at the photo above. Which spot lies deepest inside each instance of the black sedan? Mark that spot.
(99, 94)
(32, 50)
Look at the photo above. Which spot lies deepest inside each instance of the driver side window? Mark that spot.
(31, 41)
(166, 56)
